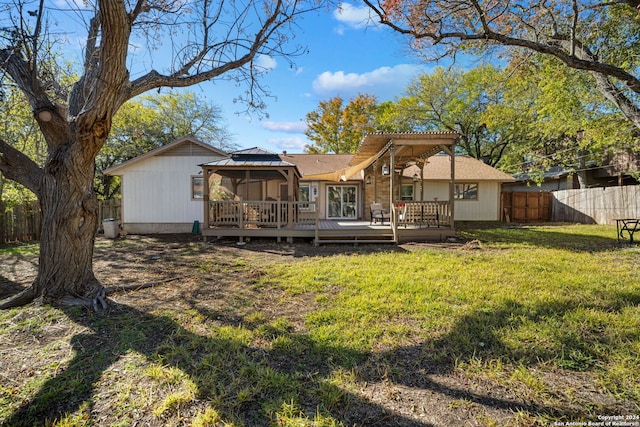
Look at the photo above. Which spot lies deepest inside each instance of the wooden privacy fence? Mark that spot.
(525, 206)
(22, 223)
(596, 205)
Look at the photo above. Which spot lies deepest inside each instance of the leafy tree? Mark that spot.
(559, 118)
(151, 121)
(211, 40)
(597, 37)
(390, 118)
(338, 128)
(181, 114)
(458, 101)
(527, 117)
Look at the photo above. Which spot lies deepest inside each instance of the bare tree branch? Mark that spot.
(18, 167)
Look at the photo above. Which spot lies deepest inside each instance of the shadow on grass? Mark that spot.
(9, 287)
(248, 384)
(564, 237)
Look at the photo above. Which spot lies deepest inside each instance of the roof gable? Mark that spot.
(181, 147)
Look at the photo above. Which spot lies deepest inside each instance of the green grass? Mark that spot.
(540, 313)
(565, 297)
(20, 249)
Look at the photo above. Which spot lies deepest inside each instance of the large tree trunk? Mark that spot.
(69, 224)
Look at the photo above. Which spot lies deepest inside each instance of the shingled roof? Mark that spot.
(467, 169)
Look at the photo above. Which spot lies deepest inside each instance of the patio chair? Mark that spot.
(378, 213)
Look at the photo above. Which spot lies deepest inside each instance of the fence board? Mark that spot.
(20, 223)
(23, 223)
(596, 205)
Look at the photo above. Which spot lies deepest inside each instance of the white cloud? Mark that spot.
(379, 81)
(265, 62)
(288, 127)
(295, 144)
(354, 16)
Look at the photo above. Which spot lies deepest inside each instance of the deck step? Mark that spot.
(382, 238)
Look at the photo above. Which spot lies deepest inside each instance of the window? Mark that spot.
(305, 192)
(466, 192)
(197, 187)
(406, 192)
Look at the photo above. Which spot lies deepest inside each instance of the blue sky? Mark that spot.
(347, 54)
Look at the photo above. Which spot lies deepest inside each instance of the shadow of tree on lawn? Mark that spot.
(248, 384)
(545, 237)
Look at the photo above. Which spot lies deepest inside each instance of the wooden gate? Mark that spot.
(525, 206)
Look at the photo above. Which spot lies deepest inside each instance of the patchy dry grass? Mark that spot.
(526, 326)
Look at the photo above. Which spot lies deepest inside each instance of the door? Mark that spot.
(342, 202)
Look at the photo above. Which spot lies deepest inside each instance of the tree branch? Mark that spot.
(567, 48)
(18, 167)
(271, 24)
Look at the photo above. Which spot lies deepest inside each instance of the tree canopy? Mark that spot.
(598, 37)
(458, 101)
(338, 128)
(153, 120)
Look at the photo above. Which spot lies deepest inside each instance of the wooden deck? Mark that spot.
(410, 221)
(328, 231)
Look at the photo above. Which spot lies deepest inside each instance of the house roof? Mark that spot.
(252, 161)
(313, 164)
(438, 168)
(255, 151)
(115, 170)
(251, 157)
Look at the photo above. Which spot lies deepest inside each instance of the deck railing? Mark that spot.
(258, 214)
(422, 213)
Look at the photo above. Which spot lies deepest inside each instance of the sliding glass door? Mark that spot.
(342, 202)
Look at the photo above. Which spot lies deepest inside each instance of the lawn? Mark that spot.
(510, 326)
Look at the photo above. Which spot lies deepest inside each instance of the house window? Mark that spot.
(406, 192)
(197, 187)
(466, 192)
(305, 197)
(305, 192)
(341, 201)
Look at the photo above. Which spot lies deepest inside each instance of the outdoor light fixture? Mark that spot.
(368, 180)
(416, 177)
(385, 169)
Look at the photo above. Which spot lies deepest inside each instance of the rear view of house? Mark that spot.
(414, 177)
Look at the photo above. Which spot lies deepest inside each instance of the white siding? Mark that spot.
(158, 190)
(485, 208)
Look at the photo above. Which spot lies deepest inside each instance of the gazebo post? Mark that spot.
(392, 173)
(451, 151)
